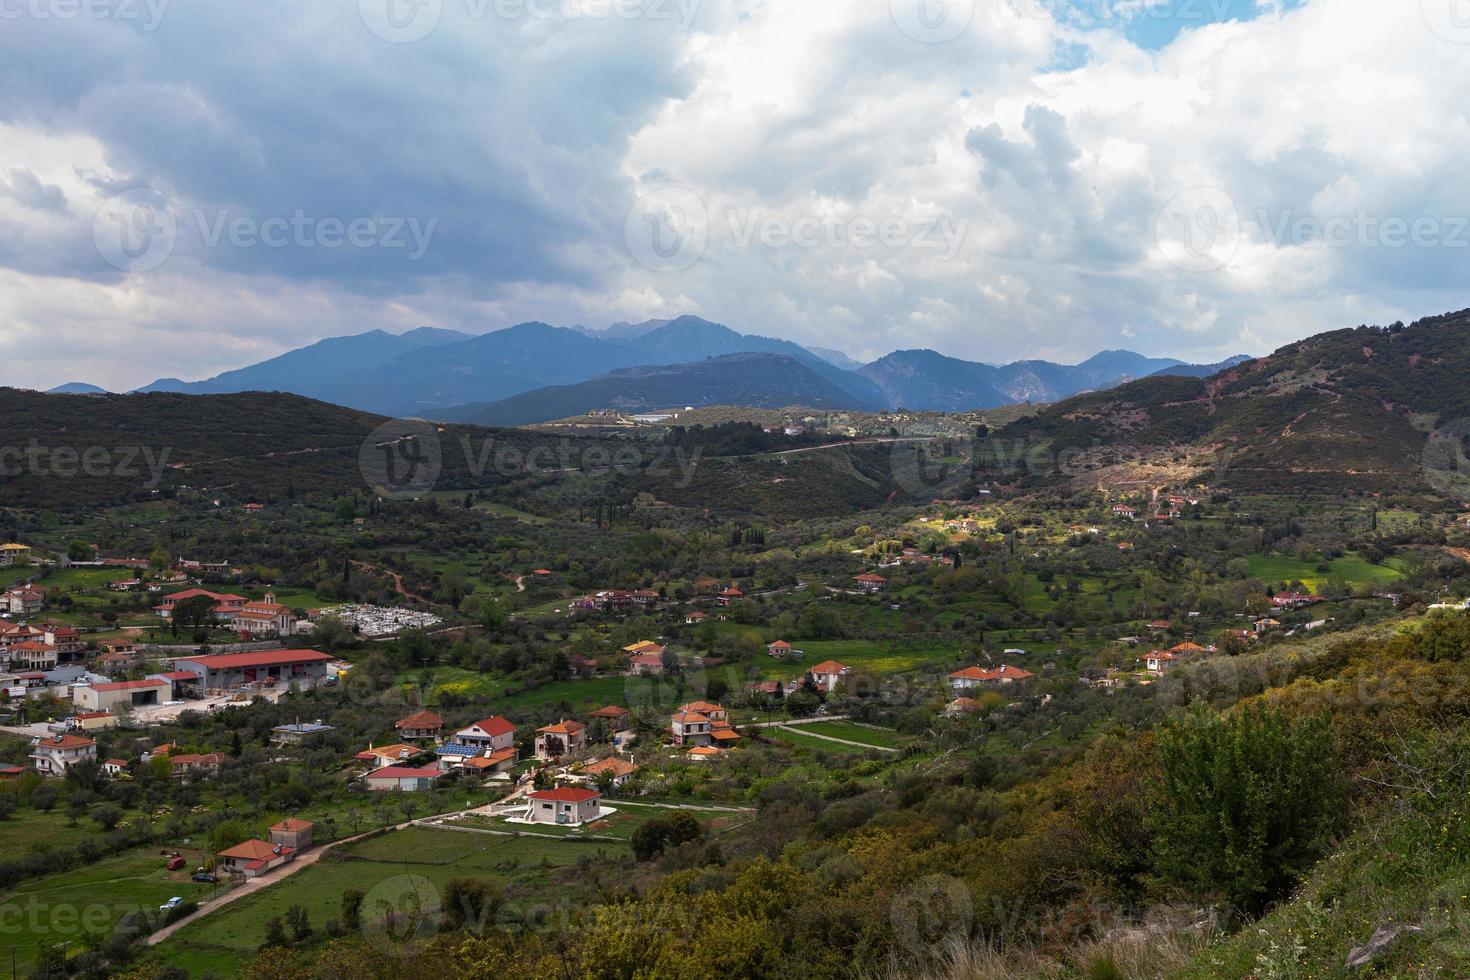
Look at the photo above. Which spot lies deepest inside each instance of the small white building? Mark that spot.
(569, 805)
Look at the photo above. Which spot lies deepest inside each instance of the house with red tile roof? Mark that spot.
(868, 582)
(491, 733)
(619, 770)
(254, 858)
(52, 754)
(420, 725)
(828, 675)
(265, 618)
(730, 595)
(614, 716)
(567, 805)
(491, 763)
(225, 604)
(645, 663)
(563, 738)
(24, 600)
(33, 655)
(972, 677)
(387, 755)
(1159, 661)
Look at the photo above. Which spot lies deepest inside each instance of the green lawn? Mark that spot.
(853, 732)
(66, 906)
(806, 741)
(29, 830)
(1356, 571)
(390, 869)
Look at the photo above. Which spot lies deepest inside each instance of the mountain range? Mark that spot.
(445, 374)
(1367, 410)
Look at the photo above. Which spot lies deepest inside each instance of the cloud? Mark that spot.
(835, 157)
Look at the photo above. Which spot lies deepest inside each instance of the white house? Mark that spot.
(571, 805)
(52, 754)
(494, 732)
(829, 674)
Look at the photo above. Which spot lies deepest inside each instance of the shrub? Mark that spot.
(1244, 804)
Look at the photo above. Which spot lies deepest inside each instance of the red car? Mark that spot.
(175, 864)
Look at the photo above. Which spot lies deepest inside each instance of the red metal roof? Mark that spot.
(129, 685)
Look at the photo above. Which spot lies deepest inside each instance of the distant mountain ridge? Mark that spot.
(926, 379)
(748, 379)
(428, 370)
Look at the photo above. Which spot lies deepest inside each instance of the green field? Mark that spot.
(795, 738)
(867, 656)
(390, 868)
(64, 907)
(853, 732)
(1356, 571)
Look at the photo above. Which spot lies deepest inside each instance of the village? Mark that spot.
(639, 701)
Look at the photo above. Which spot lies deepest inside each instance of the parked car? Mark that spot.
(171, 904)
(204, 877)
(175, 863)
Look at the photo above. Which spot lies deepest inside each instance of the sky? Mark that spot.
(187, 188)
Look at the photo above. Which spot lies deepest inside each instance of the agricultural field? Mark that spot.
(853, 732)
(1356, 571)
(390, 868)
(70, 905)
